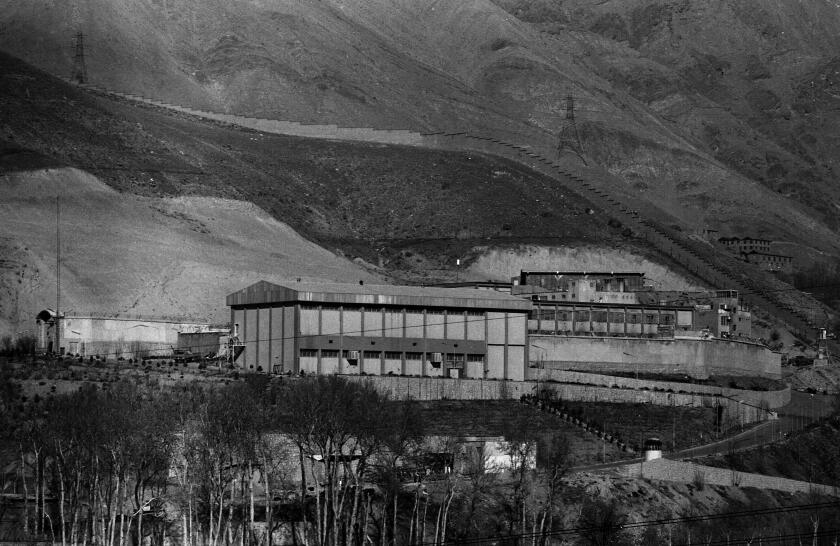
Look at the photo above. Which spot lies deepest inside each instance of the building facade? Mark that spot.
(565, 286)
(380, 330)
(89, 334)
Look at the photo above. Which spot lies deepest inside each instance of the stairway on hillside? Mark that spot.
(717, 270)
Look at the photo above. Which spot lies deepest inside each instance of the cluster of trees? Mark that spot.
(318, 460)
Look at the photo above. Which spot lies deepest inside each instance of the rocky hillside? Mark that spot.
(165, 214)
(721, 117)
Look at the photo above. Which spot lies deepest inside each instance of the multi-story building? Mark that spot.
(380, 330)
(595, 287)
(739, 245)
(769, 262)
(758, 252)
(719, 312)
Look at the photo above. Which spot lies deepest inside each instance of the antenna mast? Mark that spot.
(57, 274)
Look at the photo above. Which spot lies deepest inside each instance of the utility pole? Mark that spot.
(79, 67)
(57, 274)
(569, 137)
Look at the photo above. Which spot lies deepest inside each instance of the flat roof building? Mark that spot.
(380, 330)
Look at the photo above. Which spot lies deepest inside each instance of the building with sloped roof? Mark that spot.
(380, 330)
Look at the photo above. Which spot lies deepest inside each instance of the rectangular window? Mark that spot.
(373, 354)
(634, 318)
(475, 313)
(616, 318)
(414, 356)
(599, 316)
(475, 358)
(308, 352)
(393, 355)
(329, 353)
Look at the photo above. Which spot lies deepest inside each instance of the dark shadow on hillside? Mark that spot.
(14, 158)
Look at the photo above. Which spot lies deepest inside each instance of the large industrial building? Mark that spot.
(485, 332)
(381, 330)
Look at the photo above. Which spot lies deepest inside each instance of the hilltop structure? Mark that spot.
(758, 251)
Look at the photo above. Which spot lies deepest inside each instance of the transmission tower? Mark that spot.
(79, 68)
(569, 138)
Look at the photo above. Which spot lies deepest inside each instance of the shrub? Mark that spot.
(699, 480)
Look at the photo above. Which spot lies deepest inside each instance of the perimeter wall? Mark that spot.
(698, 358)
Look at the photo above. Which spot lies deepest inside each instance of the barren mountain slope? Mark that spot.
(178, 235)
(131, 254)
(752, 83)
(447, 65)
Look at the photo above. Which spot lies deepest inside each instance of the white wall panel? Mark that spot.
(495, 361)
(414, 324)
(496, 328)
(434, 325)
(352, 323)
(373, 322)
(309, 322)
(475, 327)
(393, 324)
(330, 322)
(455, 326)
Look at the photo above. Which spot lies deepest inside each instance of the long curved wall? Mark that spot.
(437, 388)
(697, 358)
(769, 399)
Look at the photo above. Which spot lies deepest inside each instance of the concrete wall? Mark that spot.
(422, 388)
(693, 357)
(772, 399)
(678, 471)
(114, 337)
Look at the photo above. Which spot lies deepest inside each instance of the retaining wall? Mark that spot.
(697, 358)
(678, 471)
(429, 388)
(772, 399)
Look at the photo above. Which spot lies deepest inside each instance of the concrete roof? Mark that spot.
(265, 292)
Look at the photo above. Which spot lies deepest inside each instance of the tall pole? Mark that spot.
(57, 273)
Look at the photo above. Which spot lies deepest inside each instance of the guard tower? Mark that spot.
(653, 449)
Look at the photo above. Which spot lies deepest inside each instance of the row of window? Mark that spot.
(601, 316)
(328, 307)
(391, 355)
